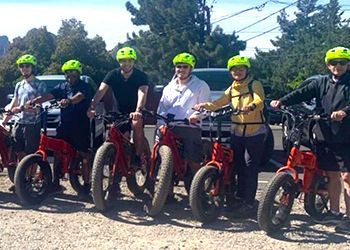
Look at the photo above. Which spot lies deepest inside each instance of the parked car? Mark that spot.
(98, 129)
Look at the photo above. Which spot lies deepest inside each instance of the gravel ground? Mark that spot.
(64, 222)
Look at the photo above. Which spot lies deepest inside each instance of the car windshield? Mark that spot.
(217, 80)
(51, 83)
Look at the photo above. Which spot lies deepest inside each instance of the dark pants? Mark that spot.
(26, 138)
(248, 152)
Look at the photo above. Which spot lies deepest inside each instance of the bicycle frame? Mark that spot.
(121, 161)
(304, 159)
(168, 138)
(5, 151)
(66, 151)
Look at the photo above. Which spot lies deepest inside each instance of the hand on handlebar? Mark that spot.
(246, 109)
(91, 113)
(199, 106)
(275, 104)
(338, 115)
(64, 103)
(135, 116)
(193, 119)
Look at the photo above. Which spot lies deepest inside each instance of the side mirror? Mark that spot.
(9, 97)
(158, 88)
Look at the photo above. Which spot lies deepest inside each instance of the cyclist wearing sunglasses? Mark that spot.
(178, 98)
(332, 93)
(26, 131)
(74, 97)
(130, 87)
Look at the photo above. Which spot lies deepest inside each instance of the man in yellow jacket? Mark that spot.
(248, 130)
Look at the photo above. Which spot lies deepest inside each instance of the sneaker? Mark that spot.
(56, 189)
(85, 194)
(170, 199)
(343, 226)
(12, 189)
(244, 211)
(329, 218)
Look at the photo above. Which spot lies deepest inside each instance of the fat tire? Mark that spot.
(133, 186)
(165, 178)
(21, 184)
(310, 205)
(265, 210)
(76, 174)
(199, 211)
(104, 155)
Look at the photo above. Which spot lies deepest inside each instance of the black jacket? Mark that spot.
(330, 96)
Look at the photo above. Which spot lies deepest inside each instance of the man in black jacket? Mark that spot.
(332, 93)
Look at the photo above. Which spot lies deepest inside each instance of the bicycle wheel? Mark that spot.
(164, 177)
(316, 200)
(103, 182)
(33, 178)
(276, 203)
(204, 201)
(139, 180)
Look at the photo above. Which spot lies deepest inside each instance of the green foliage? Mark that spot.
(177, 26)
(301, 48)
(52, 51)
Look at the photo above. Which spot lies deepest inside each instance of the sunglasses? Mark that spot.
(341, 62)
(25, 65)
(182, 66)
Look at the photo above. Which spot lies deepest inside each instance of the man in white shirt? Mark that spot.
(179, 97)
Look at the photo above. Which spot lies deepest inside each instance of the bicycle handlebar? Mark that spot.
(167, 119)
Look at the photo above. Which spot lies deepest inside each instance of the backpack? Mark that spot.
(264, 113)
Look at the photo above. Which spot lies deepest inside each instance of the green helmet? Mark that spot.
(72, 65)
(26, 59)
(126, 53)
(185, 58)
(337, 53)
(238, 61)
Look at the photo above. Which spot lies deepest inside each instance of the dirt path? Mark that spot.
(64, 222)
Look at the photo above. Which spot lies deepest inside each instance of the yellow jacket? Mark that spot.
(239, 95)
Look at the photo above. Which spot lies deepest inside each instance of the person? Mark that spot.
(130, 87)
(179, 98)
(73, 96)
(26, 131)
(247, 140)
(332, 93)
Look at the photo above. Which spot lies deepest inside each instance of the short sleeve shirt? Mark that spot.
(74, 113)
(126, 90)
(26, 91)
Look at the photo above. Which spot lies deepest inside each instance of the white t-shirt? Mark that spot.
(180, 99)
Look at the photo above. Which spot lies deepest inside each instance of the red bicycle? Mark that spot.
(33, 176)
(212, 184)
(112, 161)
(277, 201)
(168, 165)
(8, 156)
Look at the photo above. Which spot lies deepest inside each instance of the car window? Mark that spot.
(51, 84)
(217, 80)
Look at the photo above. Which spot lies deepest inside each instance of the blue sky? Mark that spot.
(111, 20)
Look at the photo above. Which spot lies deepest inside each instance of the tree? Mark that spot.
(176, 26)
(301, 48)
(73, 43)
